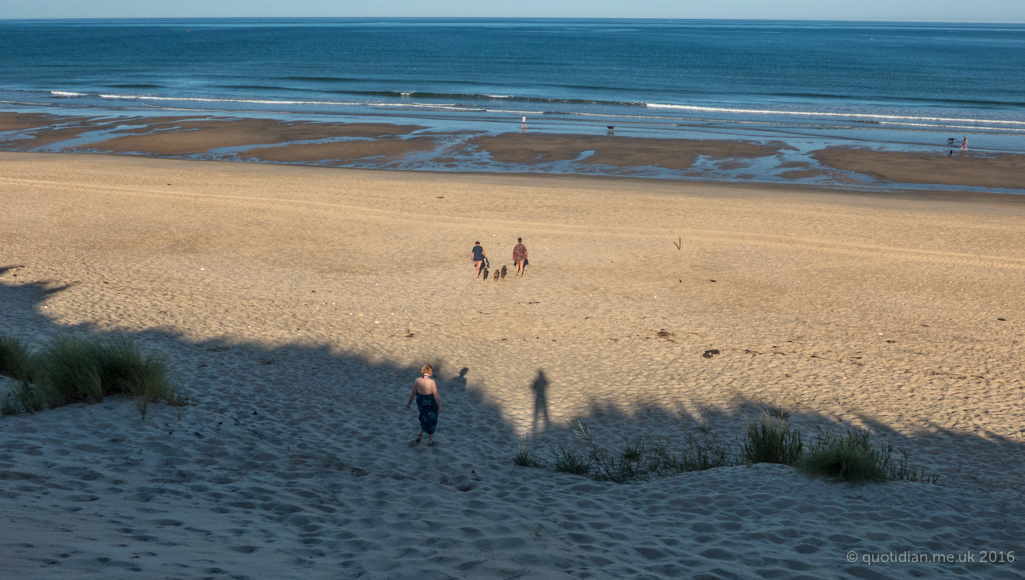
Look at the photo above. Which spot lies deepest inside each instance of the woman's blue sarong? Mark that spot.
(428, 407)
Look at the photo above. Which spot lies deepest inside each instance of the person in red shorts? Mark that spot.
(520, 256)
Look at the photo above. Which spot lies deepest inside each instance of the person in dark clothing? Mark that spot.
(478, 256)
(428, 402)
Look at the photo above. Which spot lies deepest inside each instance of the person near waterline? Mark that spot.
(964, 144)
(478, 256)
(520, 256)
(428, 402)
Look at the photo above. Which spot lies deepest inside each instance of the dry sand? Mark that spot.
(295, 305)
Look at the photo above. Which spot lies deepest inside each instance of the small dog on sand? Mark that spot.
(485, 272)
(503, 272)
(495, 277)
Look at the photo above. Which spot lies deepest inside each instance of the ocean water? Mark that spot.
(895, 85)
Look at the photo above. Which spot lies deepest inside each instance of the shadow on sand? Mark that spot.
(293, 384)
(312, 422)
(540, 389)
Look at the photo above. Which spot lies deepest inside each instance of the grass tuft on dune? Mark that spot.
(770, 440)
(846, 456)
(71, 369)
(16, 358)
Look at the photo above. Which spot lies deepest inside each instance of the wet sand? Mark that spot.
(295, 305)
(200, 136)
(24, 121)
(32, 131)
(180, 136)
(615, 151)
(412, 147)
(960, 169)
(382, 149)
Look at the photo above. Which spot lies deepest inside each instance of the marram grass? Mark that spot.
(16, 360)
(849, 456)
(72, 369)
(770, 440)
(526, 457)
(846, 456)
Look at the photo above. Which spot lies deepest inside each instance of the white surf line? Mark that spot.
(821, 114)
(210, 100)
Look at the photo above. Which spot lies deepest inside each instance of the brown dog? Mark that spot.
(485, 272)
(503, 272)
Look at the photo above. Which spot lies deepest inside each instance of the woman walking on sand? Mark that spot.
(425, 391)
(520, 256)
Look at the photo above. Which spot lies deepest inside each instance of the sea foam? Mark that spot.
(828, 114)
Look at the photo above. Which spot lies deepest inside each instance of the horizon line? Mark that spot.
(483, 18)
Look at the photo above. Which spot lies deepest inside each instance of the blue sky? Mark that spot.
(903, 10)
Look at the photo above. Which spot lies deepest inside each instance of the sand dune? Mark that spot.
(296, 304)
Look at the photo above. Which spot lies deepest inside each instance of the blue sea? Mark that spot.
(901, 86)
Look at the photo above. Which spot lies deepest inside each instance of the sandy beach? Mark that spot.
(296, 305)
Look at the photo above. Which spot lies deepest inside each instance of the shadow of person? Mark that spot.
(460, 381)
(540, 389)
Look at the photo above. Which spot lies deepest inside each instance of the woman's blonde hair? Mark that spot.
(427, 370)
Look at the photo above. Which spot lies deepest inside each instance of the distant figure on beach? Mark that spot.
(964, 144)
(428, 402)
(478, 256)
(520, 256)
(524, 123)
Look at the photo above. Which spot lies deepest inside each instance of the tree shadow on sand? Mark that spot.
(311, 390)
(959, 459)
(279, 435)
